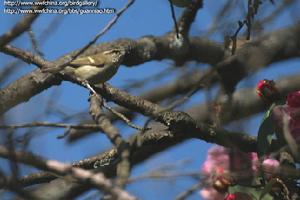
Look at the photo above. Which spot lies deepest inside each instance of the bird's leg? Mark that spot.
(86, 84)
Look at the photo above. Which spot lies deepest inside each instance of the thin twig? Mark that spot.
(50, 28)
(234, 36)
(23, 25)
(278, 11)
(124, 118)
(34, 42)
(174, 18)
(198, 85)
(252, 11)
(186, 97)
(26, 56)
(49, 124)
(189, 191)
(163, 175)
(13, 66)
(135, 84)
(188, 16)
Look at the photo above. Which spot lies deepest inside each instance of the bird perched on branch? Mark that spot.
(93, 69)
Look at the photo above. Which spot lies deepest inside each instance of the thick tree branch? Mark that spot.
(97, 180)
(178, 87)
(140, 51)
(123, 169)
(168, 127)
(245, 102)
(273, 47)
(158, 138)
(25, 88)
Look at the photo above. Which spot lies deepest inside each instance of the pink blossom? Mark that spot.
(293, 118)
(217, 161)
(268, 92)
(270, 166)
(216, 165)
(293, 99)
(254, 161)
(216, 170)
(211, 194)
(271, 163)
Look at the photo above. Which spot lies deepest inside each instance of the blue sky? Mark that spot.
(143, 18)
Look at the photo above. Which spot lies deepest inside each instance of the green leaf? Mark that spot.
(265, 133)
(267, 189)
(181, 3)
(256, 194)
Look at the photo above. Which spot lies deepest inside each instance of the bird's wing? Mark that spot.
(89, 60)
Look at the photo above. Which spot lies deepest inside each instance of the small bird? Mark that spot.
(93, 69)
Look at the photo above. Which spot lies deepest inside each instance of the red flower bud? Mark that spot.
(230, 197)
(266, 90)
(238, 196)
(293, 99)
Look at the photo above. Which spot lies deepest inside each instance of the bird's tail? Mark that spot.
(52, 70)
